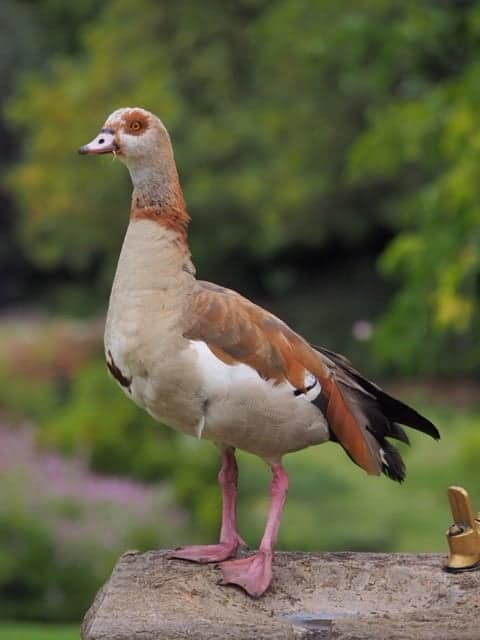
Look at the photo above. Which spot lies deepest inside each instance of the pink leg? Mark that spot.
(229, 538)
(254, 574)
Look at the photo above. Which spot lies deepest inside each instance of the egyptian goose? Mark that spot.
(210, 363)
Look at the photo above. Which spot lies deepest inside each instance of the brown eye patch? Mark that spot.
(135, 122)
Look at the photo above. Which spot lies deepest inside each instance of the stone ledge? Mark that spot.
(341, 596)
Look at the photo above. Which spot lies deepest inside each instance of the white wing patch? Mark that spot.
(312, 386)
(383, 458)
(217, 375)
(220, 377)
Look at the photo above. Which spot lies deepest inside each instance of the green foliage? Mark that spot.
(58, 590)
(59, 24)
(38, 632)
(426, 146)
(17, 44)
(114, 434)
(260, 125)
(26, 568)
(62, 528)
(294, 124)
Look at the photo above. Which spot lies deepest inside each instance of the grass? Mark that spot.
(16, 631)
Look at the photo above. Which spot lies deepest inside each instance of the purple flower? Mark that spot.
(82, 508)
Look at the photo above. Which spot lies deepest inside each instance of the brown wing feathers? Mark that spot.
(236, 330)
(347, 428)
(360, 415)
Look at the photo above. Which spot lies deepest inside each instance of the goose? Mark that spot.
(210, 363)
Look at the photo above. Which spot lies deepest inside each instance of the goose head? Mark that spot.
(132, 134)
(140, 140)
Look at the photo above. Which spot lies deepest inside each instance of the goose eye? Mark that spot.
(136, 125)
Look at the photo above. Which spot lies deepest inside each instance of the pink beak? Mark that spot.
(103, 143)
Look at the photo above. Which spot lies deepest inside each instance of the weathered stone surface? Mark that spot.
(354, 596)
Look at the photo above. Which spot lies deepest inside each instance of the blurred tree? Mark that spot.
(17, 52)
(60, 25)
(30, 34)
(262, 100)
(297, 126)
(424, 144)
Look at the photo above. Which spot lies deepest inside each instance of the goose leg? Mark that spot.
(230, 540)
(254, 573)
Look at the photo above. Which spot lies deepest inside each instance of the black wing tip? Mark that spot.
(436, 433)
(393, 476)
(392, 464)
(400, 478)
(396, 431)
(397, 411)
(420, 423)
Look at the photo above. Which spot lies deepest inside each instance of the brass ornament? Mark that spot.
(463, 535)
